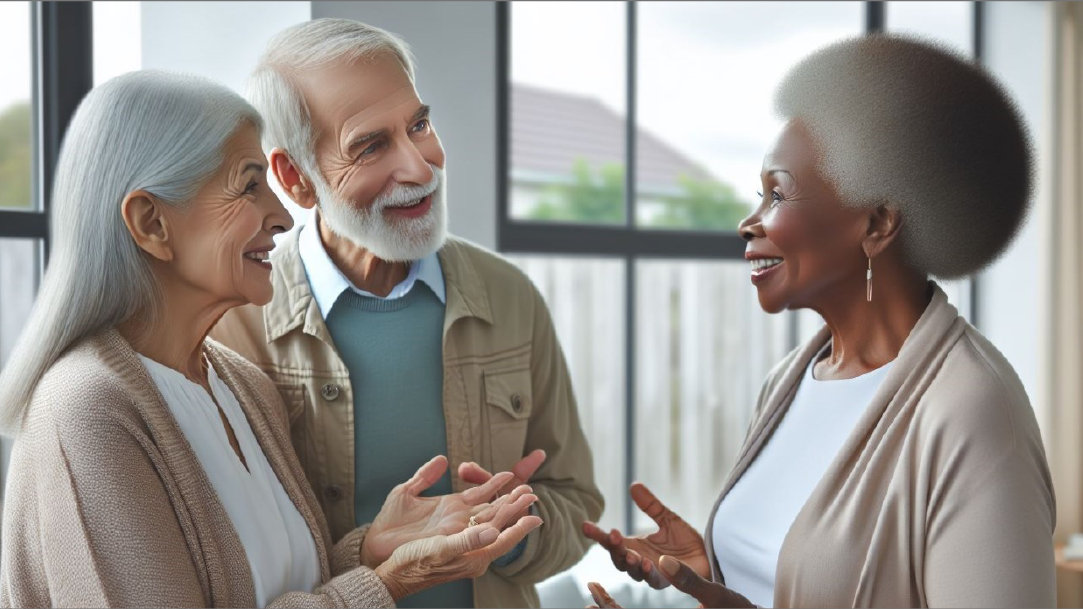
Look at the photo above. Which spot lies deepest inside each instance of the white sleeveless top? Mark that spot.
(752, 521)
(280, 549)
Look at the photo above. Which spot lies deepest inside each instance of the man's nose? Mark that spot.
(412, 168)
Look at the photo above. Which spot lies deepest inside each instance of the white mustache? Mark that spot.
(403, 195)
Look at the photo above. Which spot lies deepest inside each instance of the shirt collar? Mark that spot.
(328, 282)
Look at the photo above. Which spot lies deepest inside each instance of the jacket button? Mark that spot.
(516, 402)
(329, 392)
(332, 492)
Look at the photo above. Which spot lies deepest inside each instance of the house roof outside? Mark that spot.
(550, 130)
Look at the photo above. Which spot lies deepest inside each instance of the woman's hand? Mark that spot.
(638, 556)
(522, 472)
(423, 563)
(407, 516)
(685, 579)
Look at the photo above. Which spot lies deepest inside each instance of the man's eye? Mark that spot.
(421, 125)
(371, 148)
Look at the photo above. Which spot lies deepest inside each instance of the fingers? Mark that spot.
(592, 531)
(488, 489)
(525, 468)
(600, 595)
(647, 502)
(472, 473)
(710, 594)
(512, 509)
(511, 536)
(426, 475)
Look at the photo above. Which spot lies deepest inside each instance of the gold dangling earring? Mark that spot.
(868, 282)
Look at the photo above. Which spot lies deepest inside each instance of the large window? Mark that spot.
(46, 71)
(634, 135)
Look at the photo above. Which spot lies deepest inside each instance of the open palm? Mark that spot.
(639, 555)
(407, 516)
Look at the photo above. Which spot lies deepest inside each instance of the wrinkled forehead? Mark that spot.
(367, 89)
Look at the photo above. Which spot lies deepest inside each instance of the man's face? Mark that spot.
(380, 159)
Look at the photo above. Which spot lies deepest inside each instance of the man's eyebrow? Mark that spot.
(422, 112)
(366, 138)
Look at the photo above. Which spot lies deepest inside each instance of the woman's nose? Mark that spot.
(279, 219)
(750, 227)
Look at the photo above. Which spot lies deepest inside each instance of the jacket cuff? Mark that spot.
(360, 588)
(346, 554)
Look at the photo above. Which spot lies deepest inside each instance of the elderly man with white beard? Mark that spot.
(391, 341)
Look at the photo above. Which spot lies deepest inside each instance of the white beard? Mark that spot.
(397, 240)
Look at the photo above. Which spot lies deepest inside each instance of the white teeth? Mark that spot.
(763, 263)
(258, 256)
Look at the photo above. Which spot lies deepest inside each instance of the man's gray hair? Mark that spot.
(905, 122)
(154, 131)
(316, 44)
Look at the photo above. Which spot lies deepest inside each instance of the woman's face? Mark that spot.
(222, 239)
(803, 244)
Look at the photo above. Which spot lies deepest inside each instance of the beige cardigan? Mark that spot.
(941, 496)
(107, 505)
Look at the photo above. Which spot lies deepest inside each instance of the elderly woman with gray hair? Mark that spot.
(894, 459)
(153, 467)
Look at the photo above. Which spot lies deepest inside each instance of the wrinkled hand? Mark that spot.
(407, 516)
(707, 592)
(522, 472)
(638, 556)
(427, 562)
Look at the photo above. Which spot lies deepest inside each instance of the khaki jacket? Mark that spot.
(941, 495)
(506, 393)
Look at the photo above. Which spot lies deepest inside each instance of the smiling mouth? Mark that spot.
(260, 258)
(762, 264)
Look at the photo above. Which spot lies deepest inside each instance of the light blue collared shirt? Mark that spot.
(328, 282)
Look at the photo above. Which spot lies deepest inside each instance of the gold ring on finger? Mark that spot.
(472, 522)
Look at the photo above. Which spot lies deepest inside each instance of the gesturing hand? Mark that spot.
(638, 556)
(423, 563)
(707, 592)
(407, 516)
(522, 472)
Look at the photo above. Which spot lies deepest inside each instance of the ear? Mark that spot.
(149, 228)
(291, 179)
(883, 229)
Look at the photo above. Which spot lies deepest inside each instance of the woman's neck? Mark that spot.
(866, 335)
(174, 336)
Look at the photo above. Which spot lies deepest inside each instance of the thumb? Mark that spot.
(685, 579)
(427, 475)
(525, 468)
(469, 539)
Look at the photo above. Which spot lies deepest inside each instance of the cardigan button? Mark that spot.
(329, 392)
(332, 492)
(516, 402)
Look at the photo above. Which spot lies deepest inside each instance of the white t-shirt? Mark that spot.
(279, 545)
(752, 521)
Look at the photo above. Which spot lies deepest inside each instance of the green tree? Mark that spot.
(599, 198)
(15, 155)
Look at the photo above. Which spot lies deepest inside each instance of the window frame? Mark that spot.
(627, 241)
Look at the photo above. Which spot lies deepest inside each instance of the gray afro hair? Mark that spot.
(904, 122)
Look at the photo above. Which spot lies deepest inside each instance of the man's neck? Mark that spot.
(360, 266)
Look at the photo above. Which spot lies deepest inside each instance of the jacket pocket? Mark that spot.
(508, 407)
(295, 397)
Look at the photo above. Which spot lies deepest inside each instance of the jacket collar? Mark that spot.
(292, 305)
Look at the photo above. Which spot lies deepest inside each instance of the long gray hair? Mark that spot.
(146, 130)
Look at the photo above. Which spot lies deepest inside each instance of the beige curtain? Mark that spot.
(1064, 372)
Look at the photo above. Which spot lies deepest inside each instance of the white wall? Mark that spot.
(454, 44)
(1012, 292)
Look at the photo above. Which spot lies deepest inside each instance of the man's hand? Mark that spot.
(522, 472)
(406, 516)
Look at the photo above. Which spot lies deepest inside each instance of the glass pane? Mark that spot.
(15, 116)
(704, 347)
(18, 283)
(117, 38)
(949, 22)
(705, 80)
(567, 112)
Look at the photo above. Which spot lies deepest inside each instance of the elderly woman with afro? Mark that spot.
(894, 459)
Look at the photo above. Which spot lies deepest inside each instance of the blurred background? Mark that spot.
(610, 149)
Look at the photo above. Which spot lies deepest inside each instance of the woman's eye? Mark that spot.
(776, 198)
(251, 188)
